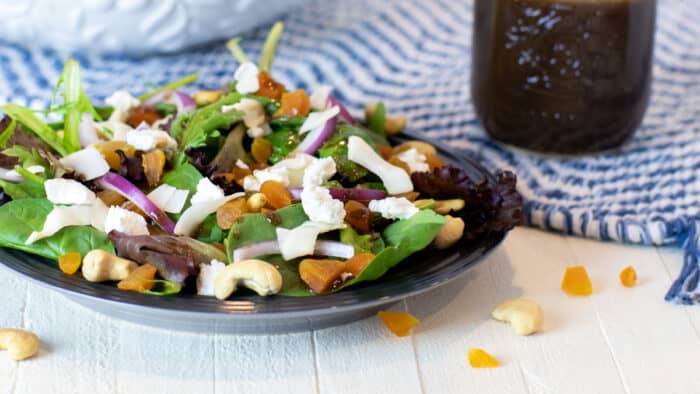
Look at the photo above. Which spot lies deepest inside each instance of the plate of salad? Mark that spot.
(252, 208)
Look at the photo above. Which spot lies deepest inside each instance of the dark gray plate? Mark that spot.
(268, 315)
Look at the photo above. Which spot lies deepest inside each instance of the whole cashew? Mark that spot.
(20, 344)
(450, 233)
(525, 316)
(101, 266)
(257, 275)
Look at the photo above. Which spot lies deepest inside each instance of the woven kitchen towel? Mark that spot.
(414, 55)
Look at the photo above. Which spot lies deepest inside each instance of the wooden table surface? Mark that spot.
(619, 340)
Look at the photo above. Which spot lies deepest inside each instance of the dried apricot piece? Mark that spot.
(320, 275)
(142, 114)
(139, 279)
(358, 216)
(400, 323)
(69, 263)
(357, 263)
(628, 276)
(108, 150)
(269, 87)
(229, 213)
(261, 149)
(110, 197)
(277, 194)
(576, 281)
(296, 103)
(479, 358)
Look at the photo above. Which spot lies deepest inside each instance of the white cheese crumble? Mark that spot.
(319, 97)
(395, 179)
(88, 131)
(87, 163)
(119, 129)
(149, 139)
(301, 240)
(296, 166)
(206, 191)
(207, 277)
(168, 198)
(122, 102)
(393, 208)
(246, 78)
(318, 172)
(253, 116)
(252, 183)
(414, 160)
(320, 207)
(61, 216)
(68, 192)
(316, 120)
(125, 221)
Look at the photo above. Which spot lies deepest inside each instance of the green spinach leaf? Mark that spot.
(22, 190)
(206, 123)
(368, 243)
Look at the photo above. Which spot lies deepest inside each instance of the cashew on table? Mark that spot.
(20, 344)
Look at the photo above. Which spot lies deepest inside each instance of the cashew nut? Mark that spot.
(421, 147)
(444, 207)
(525, 316)
(101, 266)
(206, 97)
(391, 125)
(20, 344)
(450, 233)
(256, 202)
(257, 275)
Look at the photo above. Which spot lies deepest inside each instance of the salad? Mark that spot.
(253, 185)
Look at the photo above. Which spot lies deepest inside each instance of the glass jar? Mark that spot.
(562, 76)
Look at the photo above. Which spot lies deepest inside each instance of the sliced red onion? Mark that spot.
(121, 185)
(182, 100)
(315, 138)
(345, 194)
(322, 248)
(344, 113)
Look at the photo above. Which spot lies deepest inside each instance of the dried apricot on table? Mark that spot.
(576, 281)
(479, 358)
(69, 263)
(140, 279)
(400, 323)
(628, 277)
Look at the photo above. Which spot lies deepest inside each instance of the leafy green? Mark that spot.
(186, 80)
(185, 177)
(206, 123)
(21, 217)
(26, 157)
(376, 121)
(210, 231)
(235, 49)
(163, 288)
(403, 238)
(368, 243)
(26, 189)
(283, 143)
(268, 52)
(7, 133)
(165, 109)
(42, 130)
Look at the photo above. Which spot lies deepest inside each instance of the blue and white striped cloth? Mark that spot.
(415, 56)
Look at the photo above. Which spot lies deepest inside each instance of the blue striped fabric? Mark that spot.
(415, 56)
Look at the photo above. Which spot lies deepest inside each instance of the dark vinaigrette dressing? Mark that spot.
(562, 76)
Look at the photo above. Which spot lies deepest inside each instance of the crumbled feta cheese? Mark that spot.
(395, 179)
(316, 120)
(122, 101)
(246, 78)
(259, 131)
(98, 214)
(414, 160)
(296, 166)
(207, 277)
(253, 116)
(206, 191)
(252, 183)
(301, 240)
(318, 172)
(320, 207)
(87, 163)
(146, 140)
(88, 131)
(168, 198)
(319, 98)
(68, 191)
(61, 216)
(241, 164)
(393, 208)
(119, 130)
(125, 221)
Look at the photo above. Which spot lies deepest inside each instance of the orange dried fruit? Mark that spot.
(576, 281)
(296, 103)
(139, 279)
(358, 216)
(228, 214)
(357, 263)
(261, 149)
(142, 114)
(108, 150)
(269, 87)
(69, 263)
(479, 358)
(400, 323)
(321, 275)
(153, 163)
(110, 197)
(628, 276)
(277, 194)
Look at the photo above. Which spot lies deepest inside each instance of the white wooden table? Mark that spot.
(619, 340)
